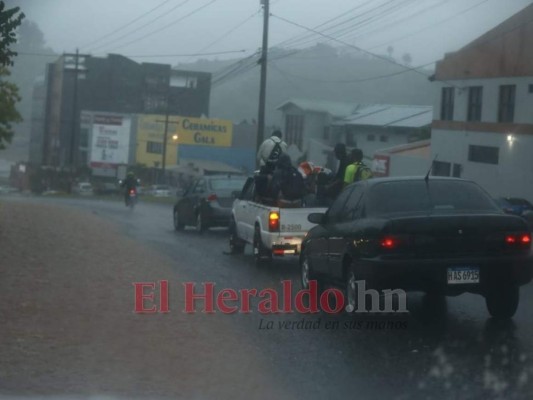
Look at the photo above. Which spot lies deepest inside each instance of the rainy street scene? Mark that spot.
(257, 199)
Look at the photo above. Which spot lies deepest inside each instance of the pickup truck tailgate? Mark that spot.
(294, 220)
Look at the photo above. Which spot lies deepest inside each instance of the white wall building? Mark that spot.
(483, 118)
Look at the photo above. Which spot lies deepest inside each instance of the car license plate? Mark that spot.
(463, 275)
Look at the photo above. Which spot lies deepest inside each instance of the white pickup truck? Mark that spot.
(272, 231)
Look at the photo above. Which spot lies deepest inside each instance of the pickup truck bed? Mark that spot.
(272, 231)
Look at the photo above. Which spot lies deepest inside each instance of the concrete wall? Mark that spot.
(404, 165)
(512, 176)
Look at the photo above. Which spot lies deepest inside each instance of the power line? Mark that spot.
(358, 23)
(395, 23)
(345, 43)
(230, 31)
(126, 25)
(304, 36)
(372, 78)
(179, 5)
(430, 26)
(196, 10)
(148, 55)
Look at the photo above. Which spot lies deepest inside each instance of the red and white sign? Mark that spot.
(381, 165)
(110, 141)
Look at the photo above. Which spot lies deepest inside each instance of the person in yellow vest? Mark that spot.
(357, 170)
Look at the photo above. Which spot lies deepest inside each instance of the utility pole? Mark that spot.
(79, 66)
(262, 89)
(165, 135)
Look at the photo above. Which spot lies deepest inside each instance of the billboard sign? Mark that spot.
(204, 131)
(110, 142)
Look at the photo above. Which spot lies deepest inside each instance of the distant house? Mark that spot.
(373, 127)
(313, 127)
(306, 119)
(483, 119)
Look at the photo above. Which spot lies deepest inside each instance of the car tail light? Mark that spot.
(132, 191)
(518, 239)
(389, 242)
(212, 197)
(273, 221)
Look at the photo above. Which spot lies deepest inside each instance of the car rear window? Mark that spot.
(226, 184)
(437, 196)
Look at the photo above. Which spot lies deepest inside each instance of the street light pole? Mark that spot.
(262, 89)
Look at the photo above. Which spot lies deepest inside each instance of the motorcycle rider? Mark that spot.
(130, 183)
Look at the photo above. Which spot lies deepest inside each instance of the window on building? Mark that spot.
(383, 138)
(294, 127)
(446, 104)
(475, 102)
(154, 147)
(155, 103)
(506, 104)
(483, 154)
(441, 168)
(371, 137)
(457, 169)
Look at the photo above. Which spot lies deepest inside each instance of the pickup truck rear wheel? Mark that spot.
(261, 254)
(236, 245)
(502, 302)
(178, 225)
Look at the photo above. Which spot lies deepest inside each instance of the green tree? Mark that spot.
(10, 19)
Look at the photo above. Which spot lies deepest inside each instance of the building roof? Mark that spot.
(335, 108)
(504, 51)
(390, 115)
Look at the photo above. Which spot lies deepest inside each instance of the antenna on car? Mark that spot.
(430, 168)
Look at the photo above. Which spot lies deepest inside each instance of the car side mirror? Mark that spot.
(317, 218)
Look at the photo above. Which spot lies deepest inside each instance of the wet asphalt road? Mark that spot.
(446, 350)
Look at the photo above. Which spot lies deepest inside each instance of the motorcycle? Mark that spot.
(131, 198)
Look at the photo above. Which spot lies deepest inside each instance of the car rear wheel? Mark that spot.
(178, 225)
(261, 254)
(236, 245)
(200, 223)
(502, 302)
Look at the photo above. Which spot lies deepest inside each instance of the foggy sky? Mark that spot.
(68, 24)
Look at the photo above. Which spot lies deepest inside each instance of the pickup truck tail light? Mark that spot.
(212, 197)
(273, 221)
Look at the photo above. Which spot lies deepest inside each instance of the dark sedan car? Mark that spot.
(208, 201)
(442, 236)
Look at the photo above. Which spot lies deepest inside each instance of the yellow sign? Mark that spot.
(150, 134)
(203, 131)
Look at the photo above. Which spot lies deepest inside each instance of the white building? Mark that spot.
(483, 118)
(373, 127)
(313, 127)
